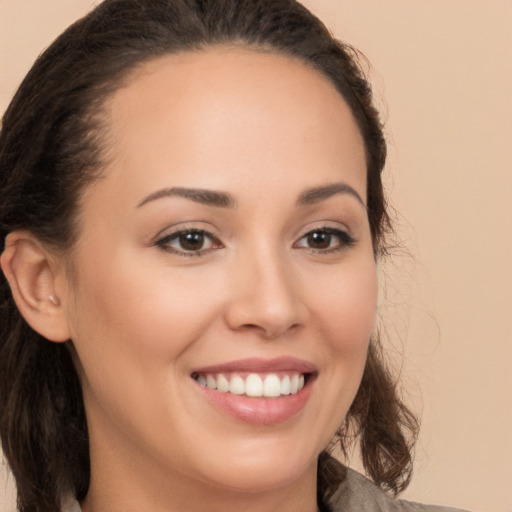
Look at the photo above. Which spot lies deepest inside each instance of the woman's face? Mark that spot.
(227, 246)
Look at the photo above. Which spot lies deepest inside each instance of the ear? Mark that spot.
(30, 270)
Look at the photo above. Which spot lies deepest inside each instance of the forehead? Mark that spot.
(227, 109)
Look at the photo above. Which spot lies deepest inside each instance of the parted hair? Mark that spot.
(51, 149)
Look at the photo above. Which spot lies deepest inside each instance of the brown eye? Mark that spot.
(190, 242)
(319, 240)
(193, 241)
(325, 240)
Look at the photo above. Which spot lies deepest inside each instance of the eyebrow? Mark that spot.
(318, 194)
(224, 200)
(207, 197)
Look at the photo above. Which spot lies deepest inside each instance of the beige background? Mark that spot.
(442, 72)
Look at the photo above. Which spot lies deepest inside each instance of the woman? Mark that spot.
(192, 210)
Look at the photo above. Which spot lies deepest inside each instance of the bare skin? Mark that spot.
(230, 224)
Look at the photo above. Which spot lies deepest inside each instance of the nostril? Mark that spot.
(270, 331)
(268, 306)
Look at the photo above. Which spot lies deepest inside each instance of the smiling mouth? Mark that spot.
(257, 390)
(266, 385)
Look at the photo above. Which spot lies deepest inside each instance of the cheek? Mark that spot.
(347, 306)
(134, 314)
(344, 313)
(131, 326)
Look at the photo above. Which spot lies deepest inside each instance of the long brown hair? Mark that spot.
(50, 149)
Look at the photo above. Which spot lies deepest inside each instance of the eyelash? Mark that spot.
(345, 240)
(165, 241)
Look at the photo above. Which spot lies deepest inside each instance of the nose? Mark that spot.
(265, 297)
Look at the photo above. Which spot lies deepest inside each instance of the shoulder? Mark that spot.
(358, 494)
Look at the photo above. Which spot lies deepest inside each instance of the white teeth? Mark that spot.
(254, 385)
(222, 383)
(237, 385)
(286, 385)
(294, 384)
(271, 385)
(211, 381)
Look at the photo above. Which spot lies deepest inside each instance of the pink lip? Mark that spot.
(257, 365)
(260, 411)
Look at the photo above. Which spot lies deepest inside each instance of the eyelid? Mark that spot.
(347, 240)
(185, 226)
(164, 237)
(324, 225)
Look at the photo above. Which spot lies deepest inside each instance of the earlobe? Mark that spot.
(27, 265)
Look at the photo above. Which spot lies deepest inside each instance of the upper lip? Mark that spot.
(258, 365)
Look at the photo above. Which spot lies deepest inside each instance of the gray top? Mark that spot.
(358, 494)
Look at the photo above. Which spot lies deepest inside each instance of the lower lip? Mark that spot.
(260, 410)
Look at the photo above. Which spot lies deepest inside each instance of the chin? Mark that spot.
(261, 465)
(260, 477)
